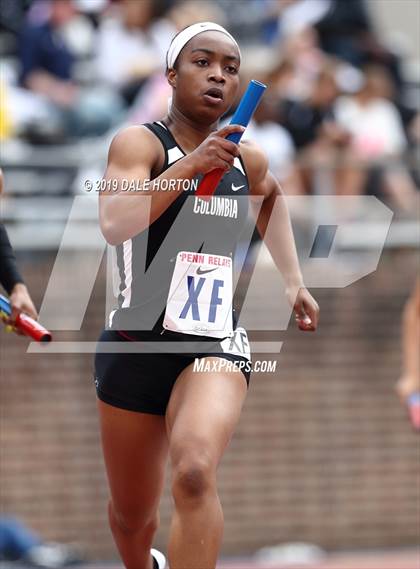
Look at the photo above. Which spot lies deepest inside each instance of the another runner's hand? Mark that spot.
(407, 385)
(215, 151)
(20, 301)
(305, 307)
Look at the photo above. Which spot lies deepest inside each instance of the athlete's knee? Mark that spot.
(133, 522)
(193, 477)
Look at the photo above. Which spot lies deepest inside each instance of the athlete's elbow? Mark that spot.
(110, 232)
(116, 232)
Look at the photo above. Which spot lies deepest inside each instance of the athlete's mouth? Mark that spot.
(215, 93)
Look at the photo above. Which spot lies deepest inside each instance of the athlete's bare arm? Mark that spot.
(279, 238)
(135, 155)
(409, 381)
(19, 297)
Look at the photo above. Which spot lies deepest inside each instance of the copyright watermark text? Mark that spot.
(111, 185)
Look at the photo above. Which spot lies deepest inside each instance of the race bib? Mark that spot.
(237, 344)
(200, 296)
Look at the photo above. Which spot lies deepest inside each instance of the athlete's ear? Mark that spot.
(171, 77)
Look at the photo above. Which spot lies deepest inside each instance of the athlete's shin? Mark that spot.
(133, 537)
(196, 529)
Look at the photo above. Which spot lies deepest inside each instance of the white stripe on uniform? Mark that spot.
(128, 271)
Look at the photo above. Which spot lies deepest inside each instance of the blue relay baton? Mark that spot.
(242, 116)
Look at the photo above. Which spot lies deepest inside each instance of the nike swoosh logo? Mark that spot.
(236, 188)
(201, 271)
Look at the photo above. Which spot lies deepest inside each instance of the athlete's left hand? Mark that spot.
(305, 307)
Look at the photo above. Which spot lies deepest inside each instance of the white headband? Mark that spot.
(186, 35)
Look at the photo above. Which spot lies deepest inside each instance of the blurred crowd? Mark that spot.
(337, 96)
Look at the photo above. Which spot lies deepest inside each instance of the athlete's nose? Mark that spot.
(216, 75)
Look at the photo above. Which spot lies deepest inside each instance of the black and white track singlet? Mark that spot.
(190, 229)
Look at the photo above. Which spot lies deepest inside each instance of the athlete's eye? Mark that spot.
(202, 62)
(232, 69)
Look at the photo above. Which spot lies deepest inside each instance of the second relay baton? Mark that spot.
(242, 116)
(25, 323)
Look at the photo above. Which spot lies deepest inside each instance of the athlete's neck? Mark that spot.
(187, 132)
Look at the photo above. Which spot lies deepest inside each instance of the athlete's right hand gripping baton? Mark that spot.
(24, 323)
(242, 116)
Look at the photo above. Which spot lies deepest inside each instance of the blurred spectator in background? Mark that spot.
(47, 70)
(5, 119)
(11, 15)
(413, 135)
(151, 102)
(280, 79)
(344, 28)
(296, 15)
(346, 31)
(45, 58)
(371, 116)
(277, 143)
(304, 118)
(19, 543)
(320, 139)
(92, 8)
(377, 135)
(187, 12)
(303, 52)
(132, 44)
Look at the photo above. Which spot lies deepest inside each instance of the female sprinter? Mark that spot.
(154, 405)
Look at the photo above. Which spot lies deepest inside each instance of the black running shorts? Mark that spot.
(143, 382)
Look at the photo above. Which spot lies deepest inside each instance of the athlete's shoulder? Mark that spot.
(134, 143)
(255, 160)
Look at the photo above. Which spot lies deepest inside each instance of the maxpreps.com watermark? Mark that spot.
(129, 185)
(219, 365)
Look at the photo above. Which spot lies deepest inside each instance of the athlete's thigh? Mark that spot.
(204, 409)
(135, 448)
